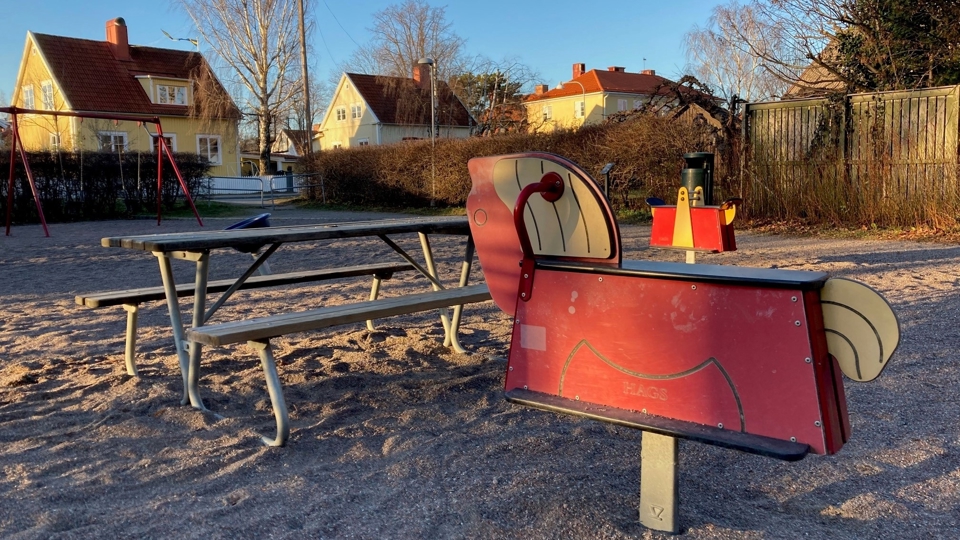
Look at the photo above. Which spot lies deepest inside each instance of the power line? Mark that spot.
(340, 25)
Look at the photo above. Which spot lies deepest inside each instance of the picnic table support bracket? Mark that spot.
(176, 323)
(659, 500)
(275, 391)
(132, 312)
(259, 262)
(374, 293)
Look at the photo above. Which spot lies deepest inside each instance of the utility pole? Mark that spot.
(306, 81)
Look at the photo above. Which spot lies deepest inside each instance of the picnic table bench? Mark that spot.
(131, 299)
(258, 332)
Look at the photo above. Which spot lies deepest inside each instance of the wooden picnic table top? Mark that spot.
(214, 239)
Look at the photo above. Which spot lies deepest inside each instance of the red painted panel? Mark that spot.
(709, 232)
(699, 352)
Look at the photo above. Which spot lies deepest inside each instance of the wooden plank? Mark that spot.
(268, 327)
(700, 273)
(147, 294)
(288, 323)
(246, 238)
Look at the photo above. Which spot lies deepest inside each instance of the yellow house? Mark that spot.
(592, 96)
(113, 77)
(376, 110)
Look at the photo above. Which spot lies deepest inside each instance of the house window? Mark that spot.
(46, 95)
(171, 95)
(579, 108)
(112, 141)
(28, 97)
(637, 104)
(336, 145)
(341, 114)
(54, 140)
(547, 113)
(208, 146)
(170, 138)
(355, 110)
(363, 142)
(621, 105)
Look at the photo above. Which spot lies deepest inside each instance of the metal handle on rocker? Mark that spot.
(550, 187)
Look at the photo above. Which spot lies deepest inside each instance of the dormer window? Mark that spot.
(168, 94)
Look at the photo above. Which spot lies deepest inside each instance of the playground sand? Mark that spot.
(394, 436)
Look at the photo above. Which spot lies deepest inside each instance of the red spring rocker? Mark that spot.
(744, 358)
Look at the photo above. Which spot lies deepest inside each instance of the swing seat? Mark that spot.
(732, 356)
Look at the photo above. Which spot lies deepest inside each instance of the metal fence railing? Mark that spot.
(265, 189)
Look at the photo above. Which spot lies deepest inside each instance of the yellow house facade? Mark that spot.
(114, 78)
(376, 110)
(590, 97)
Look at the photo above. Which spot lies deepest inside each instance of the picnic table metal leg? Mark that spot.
(199, 315)
(659, 500)
(432, 268)
(131, 348)
(176, 323)
(453, 338)
(374, 293)
(275, 391)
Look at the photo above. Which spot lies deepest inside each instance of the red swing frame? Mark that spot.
(16, 144)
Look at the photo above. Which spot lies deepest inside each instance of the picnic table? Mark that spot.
(198, 247)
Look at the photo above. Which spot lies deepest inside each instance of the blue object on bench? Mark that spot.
(255, 222)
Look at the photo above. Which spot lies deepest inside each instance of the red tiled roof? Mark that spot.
(92, 80)
(609, 81)
(396, 100)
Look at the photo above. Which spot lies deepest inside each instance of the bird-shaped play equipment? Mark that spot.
(744, 358)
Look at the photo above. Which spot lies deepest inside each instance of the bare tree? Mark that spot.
(403, 34)
(716, 57)
(493, 93)
(258, 41)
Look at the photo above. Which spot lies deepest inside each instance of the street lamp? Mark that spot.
(433, 127)
(583, 93)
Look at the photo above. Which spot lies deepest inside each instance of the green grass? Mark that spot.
(420, 211)
(206, 209)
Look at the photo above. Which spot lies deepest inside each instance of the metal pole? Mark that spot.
(433, 135)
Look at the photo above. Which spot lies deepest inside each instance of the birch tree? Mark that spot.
(258, 41)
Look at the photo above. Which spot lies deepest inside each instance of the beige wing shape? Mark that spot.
(862, 329)
(573, 226)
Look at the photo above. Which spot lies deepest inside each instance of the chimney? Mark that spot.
(618, 69)
(421, 74)
(117, 38)
(648, 72)
(541, 89)
(579, 69)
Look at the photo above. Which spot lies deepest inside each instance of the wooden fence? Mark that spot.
(887, 158)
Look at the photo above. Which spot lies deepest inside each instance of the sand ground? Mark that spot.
(395, 436)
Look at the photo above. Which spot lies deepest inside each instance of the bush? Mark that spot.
(77, 186)
(646, 149)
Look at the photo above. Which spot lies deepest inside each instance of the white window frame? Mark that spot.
(341, 114)
(579, 108)
(637, 104)
(114, 135)
(46, 95)
(54, 140)
(547, 113)
(28, 98)
(356, 110)
(171, 141)
(178, 92)
(363, 142)
(621, 105)
(336, 145)
(205, 151)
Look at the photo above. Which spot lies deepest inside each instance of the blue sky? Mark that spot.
(547, 35)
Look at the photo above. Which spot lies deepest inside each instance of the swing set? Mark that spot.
(17, 145)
